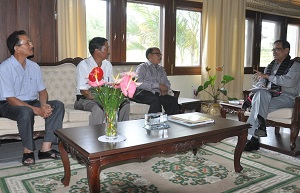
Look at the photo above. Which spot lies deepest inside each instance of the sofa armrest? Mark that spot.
(176, 93)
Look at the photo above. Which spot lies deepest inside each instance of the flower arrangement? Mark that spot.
(215, 90)
(111, 95)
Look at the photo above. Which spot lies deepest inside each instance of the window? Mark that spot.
(269, 34)
(143, 30)
(187, 38)
(293, 33)
(261, 30)
(249, 35)
(96, 19)
(132, 26)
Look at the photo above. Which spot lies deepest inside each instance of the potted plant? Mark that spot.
(215, 89)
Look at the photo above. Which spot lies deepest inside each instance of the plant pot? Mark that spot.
(211, 108)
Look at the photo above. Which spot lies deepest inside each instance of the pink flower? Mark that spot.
(96, 83)
(130, 73)
(128, 86)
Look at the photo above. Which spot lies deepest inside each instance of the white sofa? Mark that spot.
(60, 83)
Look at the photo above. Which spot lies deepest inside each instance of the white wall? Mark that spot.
(185, 84)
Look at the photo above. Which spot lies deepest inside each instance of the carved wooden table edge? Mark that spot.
(94, 165)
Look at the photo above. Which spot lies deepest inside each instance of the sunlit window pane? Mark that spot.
(187, 38)
(96, 19)
(143, 30)
(293, 38)
(249, 32)
(269, 34)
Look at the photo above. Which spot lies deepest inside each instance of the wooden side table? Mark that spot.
(232, 109)
(189, 104)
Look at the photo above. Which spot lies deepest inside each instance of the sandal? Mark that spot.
(28, 159)
(51, 154)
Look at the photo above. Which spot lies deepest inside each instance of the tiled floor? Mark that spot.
(12, 151)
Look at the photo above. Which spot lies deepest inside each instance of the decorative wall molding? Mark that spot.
(290, 8)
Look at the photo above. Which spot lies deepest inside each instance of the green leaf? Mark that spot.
(200, 88)
(206, 84)
(212, 80)
(223, 91)
(232, 99)
(226, 79)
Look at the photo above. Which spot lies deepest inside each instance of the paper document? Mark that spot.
(257, 88)
(191, 119)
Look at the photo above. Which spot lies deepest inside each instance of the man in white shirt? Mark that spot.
(99, 50)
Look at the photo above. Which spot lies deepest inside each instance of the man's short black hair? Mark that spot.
(96, 43)
(13, 40)
(284, 43)
(149, 51)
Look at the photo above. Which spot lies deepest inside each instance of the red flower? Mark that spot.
(219, 68)
(96, 74)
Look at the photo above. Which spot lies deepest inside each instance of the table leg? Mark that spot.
(66, 163)
(93, 175)
(223, 112)
(241, 143)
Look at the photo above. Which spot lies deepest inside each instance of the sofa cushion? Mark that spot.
(77, 115)
(138, 108)
(284, 113)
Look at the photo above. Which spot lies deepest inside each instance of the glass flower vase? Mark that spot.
(111, 128)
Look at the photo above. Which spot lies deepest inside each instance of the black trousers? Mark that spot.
(169, 103)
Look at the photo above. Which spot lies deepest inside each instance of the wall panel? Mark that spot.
(37, 18)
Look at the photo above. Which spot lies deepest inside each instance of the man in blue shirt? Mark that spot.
(23, 95)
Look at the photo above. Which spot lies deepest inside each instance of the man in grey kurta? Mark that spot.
(282, 76)
(155, 87)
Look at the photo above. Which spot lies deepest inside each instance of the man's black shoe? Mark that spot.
(252, 144)
(261, 131)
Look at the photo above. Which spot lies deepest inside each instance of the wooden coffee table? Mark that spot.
(82, 144)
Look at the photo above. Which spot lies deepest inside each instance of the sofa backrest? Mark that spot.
(60, 78)
(60, 82)
(117, 69)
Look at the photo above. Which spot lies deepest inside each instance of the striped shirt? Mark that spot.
(151, 75)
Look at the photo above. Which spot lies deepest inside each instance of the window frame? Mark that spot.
(117, 32)
(258, 17)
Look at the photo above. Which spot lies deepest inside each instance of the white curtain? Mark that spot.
(223, 42)
(71, 29)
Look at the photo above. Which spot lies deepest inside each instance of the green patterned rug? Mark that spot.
(211, 170)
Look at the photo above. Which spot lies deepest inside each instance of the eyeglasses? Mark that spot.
(29, 43)
(157, 54)
(276, 49)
